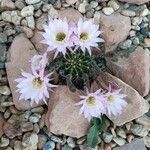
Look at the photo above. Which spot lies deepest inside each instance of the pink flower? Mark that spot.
(57, 36)
(93, 105)
(115, 101)
(34, 87)
(86, 35)
(39, 62)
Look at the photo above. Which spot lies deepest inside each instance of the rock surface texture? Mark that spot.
(115, 29)
(137, 105)
(21, 52)
(137, 144)
(63, 116)
(133, 70)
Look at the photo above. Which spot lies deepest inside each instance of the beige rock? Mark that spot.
(29, 33)
(134, 100)
(63, 116)
(115, 29)
(147, 42)
(21, 52)
(7, 4)
(71, 14)
(1, 125)
(138, 2)
(133, 70)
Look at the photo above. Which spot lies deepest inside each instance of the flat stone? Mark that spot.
(133, 70)
(138, 2)
(133, 99)
(115, 29)
(21, 51)
(137, 144)
(63, 116)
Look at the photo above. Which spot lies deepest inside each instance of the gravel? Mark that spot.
(27, 128)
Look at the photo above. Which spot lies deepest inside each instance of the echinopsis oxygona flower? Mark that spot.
(61, 36)
(34, 86)
(57, 36)
(115, 101)
(93, 105)
(96, 104)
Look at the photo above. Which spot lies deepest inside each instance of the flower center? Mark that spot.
(60, 37)
(84, 36)
(90, 101)
(111, 98)
(37, 82)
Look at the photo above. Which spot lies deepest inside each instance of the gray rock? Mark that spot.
(41, 141)
(4, 142)
(30, 22)
(30, 141)
(114, 4)
(20, 4)
(136, 21)
(11, 16)
(27, 11)
(66, 147)
(34, 118)
(5, 90)
(145, 121)
(126, 44)
(50, 145)
(3, 38)
(119, 141)
(30, 2)
(71, 142)
(7, 5)
(139, 130)
(120, 132)
(147, 141)
(107, 137)
(2, 53)
(26, 126)
(137, 144)
(56, 139)
(129, 13)
(108, 10)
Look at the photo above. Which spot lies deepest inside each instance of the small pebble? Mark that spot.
(108, 10)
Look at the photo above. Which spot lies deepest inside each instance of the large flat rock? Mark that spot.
(21, 51)
(133, 70)
(115, 29)
(137, 144)
(137, 105)
(63, 116)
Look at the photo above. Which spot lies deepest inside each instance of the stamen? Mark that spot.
(83, 36)
(60, 37)
(90, 101)
(37, 82)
